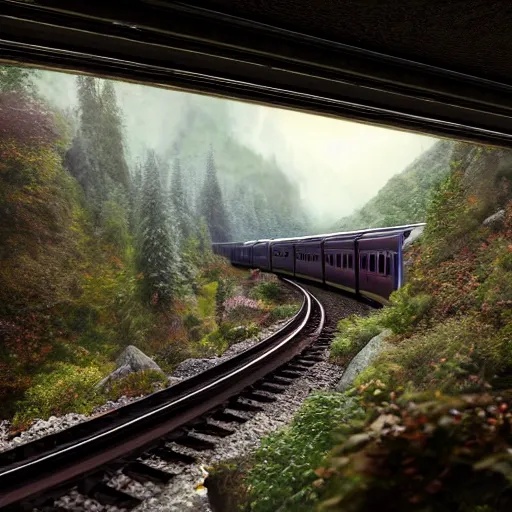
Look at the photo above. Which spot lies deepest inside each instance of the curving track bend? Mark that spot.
(35, 475)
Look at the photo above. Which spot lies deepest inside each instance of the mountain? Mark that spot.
(405, 197)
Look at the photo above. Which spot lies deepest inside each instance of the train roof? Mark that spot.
(324, 236)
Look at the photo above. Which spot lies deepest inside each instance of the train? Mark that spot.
(367, 263)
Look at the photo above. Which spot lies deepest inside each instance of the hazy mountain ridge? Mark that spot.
(405, 197)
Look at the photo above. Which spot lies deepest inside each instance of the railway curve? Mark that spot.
(35, 474)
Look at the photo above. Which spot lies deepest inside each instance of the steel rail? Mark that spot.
(67, 464)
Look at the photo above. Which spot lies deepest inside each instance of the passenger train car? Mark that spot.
(368, 263)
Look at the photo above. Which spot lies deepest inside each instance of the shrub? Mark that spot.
(282, 476)
(138, 383)
(457, 355)
(269, 291)
(284, 311)
(422, 455)
(68, 388)
(352, 335)
(406, 310)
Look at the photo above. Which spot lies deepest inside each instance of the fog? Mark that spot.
(338, 165)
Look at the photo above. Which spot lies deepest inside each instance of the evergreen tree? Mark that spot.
(15, 79)
(212, 205)
(179, 200)
(158, 258)
(112, 147)
(84, 157)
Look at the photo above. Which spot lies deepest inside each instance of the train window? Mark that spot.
(395, 263)
(382, 264)
(364, 261)
(388, 265)
(286, 254)
(350, 261)
(372, 263)
(315, 257)
(327, 259)
(338, 260)
(345, 261)
(331, 260)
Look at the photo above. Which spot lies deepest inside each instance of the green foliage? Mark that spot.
(282, 476)
(137, 384)
(269, 291)
(212, 204)
(158, 257)
(352, 335)
(206, 300)
(419, 454)
(283, 311)
(406, 311)
(405, 197)
(68, 388)
(458, 355)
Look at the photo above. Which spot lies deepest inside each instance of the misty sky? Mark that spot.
(338, 165)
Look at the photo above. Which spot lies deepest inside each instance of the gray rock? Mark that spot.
(496, 220)
(136, 359)
(363, 359)
(414, 235)
(131, 360)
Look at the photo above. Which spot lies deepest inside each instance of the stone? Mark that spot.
(136, 359)
(495, 221)
(413, 236)
(363, 359)
(131, 360)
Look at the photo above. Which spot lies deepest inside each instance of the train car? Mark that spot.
(309, 260)
(282, 253)
(224, 249)
(340, 262)
(367, 262)
(261, 257)
(380, 264)
(242, 254)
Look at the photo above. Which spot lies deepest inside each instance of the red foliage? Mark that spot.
(26, 120)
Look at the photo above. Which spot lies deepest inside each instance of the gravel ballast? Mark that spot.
(188, 368)
(184, 492)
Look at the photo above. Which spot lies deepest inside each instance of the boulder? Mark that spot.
(495, 221)
(136, 359)
(131, 360)
(413, 236)
(363, 359)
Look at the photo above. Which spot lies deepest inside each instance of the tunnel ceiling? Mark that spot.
(470, 36)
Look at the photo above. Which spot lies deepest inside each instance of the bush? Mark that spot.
(66, 389)
(284, 311)
(282, 476)
(457, 355)
(138, 383)
(419, 454)
(406, 310)
(352, 335)
(269, 291)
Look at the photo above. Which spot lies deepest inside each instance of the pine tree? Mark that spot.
(158, 258)
(112, 146)
(179, 201)
(212, 205)
(84, 157)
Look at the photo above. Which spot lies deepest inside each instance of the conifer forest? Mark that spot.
(105, 241)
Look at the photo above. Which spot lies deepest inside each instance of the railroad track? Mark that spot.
(87, 457)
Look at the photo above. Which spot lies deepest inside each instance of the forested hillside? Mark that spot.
(185, 130)
(427, 425)
(105, 245)
(405, 197)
